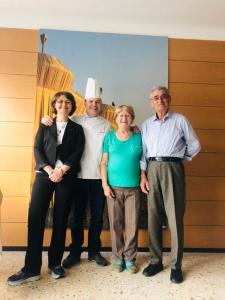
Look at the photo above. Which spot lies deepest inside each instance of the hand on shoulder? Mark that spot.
(47, 121)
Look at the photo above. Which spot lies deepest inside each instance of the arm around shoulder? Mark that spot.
(47, 121)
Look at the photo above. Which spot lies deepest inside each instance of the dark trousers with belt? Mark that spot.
(167, 191)
(42, 192)
(87, 191)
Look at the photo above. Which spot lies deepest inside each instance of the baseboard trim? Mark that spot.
(141, 249)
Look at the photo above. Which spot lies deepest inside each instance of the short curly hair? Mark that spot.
(68, 96)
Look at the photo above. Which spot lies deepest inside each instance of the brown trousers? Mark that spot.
(123, 213)
(167, 191)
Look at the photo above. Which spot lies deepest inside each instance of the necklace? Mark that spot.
(123, 135)
(60, 127)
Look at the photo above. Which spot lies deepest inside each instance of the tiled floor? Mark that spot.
(204, 280)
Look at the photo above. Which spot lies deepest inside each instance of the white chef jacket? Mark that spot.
(95, 129)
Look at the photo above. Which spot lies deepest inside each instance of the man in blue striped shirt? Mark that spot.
(168, 139)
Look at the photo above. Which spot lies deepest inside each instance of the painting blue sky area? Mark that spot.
(127, 66)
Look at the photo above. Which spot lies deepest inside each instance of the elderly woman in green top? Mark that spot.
(120, 171)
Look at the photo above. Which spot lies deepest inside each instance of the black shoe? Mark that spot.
(57, 272)
(152, 270)
(100, 260)
(176, 276)
(70, 261)
(22, 277)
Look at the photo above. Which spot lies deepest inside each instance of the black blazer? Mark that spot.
(71, 148)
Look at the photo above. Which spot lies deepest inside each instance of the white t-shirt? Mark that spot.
(95, 129)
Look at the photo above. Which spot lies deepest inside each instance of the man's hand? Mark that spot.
(108, 192)
(47, 121)
(135, 129)
(144, 185)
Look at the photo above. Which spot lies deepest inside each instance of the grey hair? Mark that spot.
(159, 88)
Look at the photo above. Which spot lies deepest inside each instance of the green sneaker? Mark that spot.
(118, 265)
(131, 266)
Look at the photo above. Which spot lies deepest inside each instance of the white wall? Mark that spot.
(202, 19)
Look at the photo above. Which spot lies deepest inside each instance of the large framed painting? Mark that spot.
(126, 66)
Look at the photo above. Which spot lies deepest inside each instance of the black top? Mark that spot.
(71, 149)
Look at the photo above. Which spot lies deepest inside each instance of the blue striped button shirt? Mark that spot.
(173, 137)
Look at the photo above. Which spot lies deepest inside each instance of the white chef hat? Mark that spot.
(93, 89)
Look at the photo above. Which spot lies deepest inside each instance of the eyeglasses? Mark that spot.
(67, 102)
(162, 97)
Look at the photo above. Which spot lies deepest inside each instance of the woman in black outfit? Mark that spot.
(58, 150)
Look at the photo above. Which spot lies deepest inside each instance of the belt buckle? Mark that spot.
(158, 159)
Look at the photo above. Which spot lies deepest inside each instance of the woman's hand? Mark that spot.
(144, 185)
(108, 192)
(56, 175)
(47, 121)
(48, 169)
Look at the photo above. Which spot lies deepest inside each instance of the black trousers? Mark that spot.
(87, 191)
(42, 192)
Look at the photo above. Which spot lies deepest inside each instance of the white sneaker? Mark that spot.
(57, 272)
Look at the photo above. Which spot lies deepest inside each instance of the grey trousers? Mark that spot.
(123, 213)
(167, 191)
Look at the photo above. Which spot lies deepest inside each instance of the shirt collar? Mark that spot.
(155, 118)
(90, 117)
